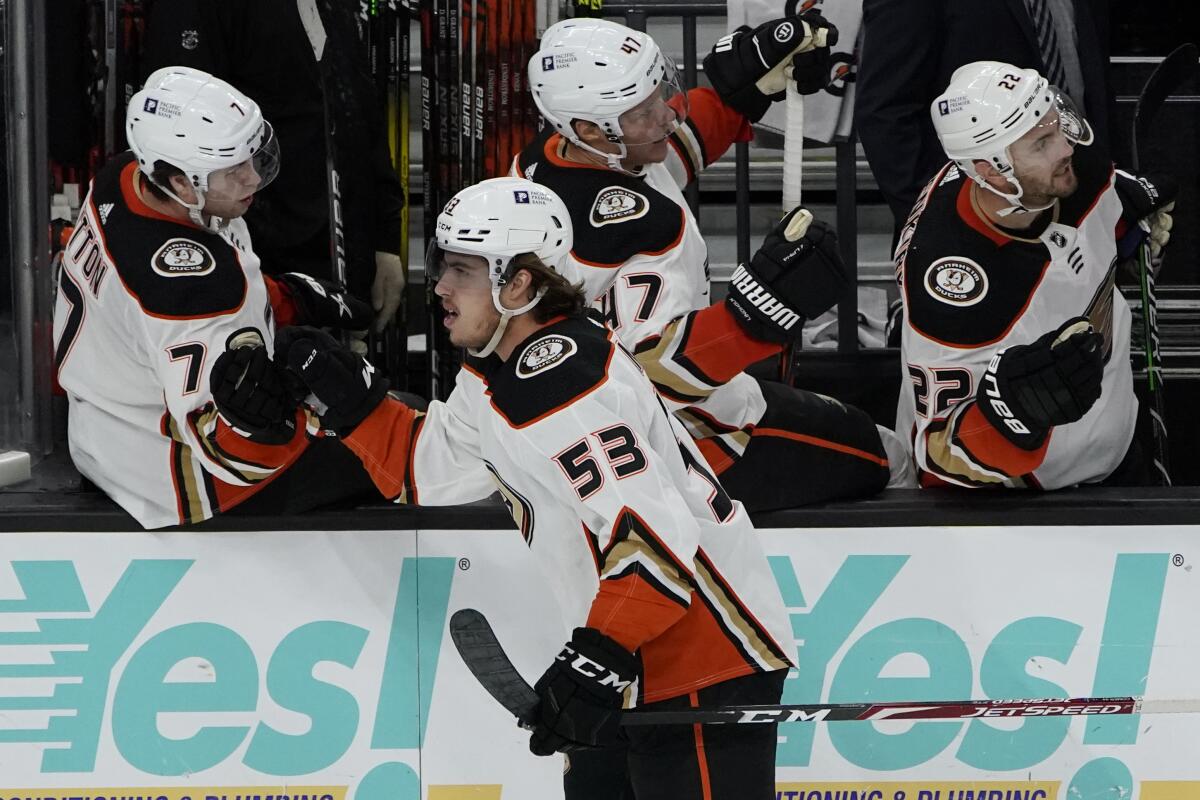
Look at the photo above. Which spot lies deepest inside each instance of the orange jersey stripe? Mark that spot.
(825, 443)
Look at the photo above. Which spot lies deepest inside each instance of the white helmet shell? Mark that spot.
(989, 105)
(596, 70)
(200, 124)
(500, 218)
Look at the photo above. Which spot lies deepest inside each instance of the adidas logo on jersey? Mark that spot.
(753, 292)
(105, 209)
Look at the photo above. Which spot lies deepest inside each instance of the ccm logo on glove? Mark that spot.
(590, 669)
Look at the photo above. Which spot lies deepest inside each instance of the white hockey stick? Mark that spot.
(793, 146)
(485, 658)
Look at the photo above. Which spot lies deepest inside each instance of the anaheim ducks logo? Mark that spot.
(617, 204)
(180, 258)
(546, 353)
(956, 280)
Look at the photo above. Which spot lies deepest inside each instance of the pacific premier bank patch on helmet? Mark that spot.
(617, 204)
(952, 104)
(161, 108)
(557, 61)
(180, 258)
(546, 353)
(956, 280)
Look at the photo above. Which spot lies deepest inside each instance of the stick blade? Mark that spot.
(485, 658)
(1174, 70)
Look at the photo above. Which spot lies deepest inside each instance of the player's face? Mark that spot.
(646, 127)
(231, 190)
(466, 293)
(1042, 163)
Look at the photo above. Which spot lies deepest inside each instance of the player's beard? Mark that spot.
(1062, 182)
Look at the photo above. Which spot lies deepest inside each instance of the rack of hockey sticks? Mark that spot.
(476, 115)
(483, 655)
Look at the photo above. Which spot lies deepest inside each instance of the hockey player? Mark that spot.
(156, 280)
(1016, 339)
(626, 139)
(657, 570)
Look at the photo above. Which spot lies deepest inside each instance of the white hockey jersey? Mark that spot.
(970, 290)
(634, 534)
(145, 305)
(645, 266)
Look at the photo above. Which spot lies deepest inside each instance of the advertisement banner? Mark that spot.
(316, 666)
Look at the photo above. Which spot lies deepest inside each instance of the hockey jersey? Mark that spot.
(633, 533)
(145, 305)
(645, 265)
(970, 290)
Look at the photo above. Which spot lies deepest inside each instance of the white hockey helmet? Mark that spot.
(200, 124)
(596, 70)
(499, 219)
(988, 106)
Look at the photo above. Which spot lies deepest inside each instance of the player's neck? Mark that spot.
(992, 205)
(577, 155)
(519, 329)
(166, 207)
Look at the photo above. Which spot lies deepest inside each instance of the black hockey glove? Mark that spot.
(581, 695)
(748, 67)
(1030, 388)
(341, 379)
(797, 274)
(324, 304)
(1148, 200)
(251, 392)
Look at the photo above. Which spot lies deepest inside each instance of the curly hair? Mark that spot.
(562, 297)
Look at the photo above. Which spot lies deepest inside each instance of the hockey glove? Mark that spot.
(324, 304)
(796, 274)
(251, 393)
(1148, 203)
(581, 695)
(1030, 388)
(748, 68)
(344, 382)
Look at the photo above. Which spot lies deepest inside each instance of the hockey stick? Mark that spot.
(314, 26)
(793, 164)
(1174, 70)
(485, 658)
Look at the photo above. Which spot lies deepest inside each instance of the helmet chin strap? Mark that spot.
(195, 210)
(1014, 200)
(614, 160)
(505, 315)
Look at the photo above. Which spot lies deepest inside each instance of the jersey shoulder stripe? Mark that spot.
(173, 270)
(964, 282)
(554, 368)
(615, 216)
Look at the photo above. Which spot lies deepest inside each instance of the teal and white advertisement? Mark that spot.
(316, 666)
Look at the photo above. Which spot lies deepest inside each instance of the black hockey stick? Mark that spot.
(481, 652)
(487, 661)
(330, 89)
(1174, 70)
